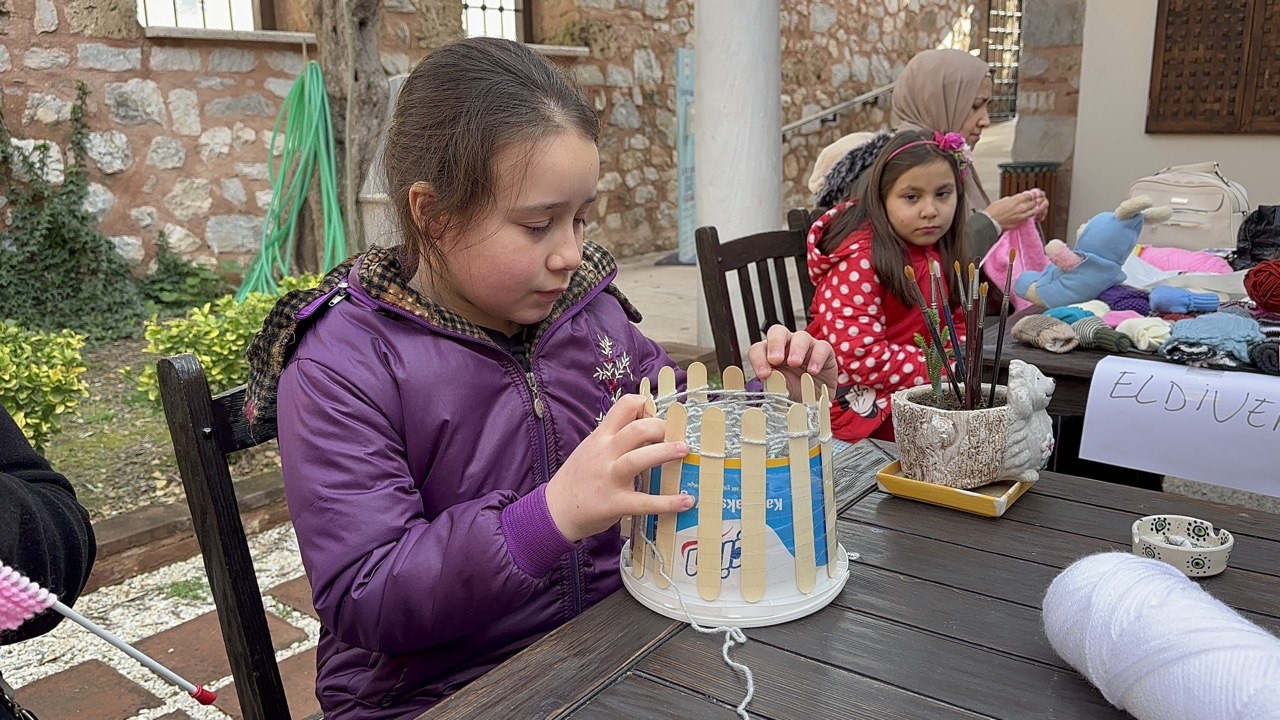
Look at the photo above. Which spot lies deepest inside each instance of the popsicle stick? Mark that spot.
(801, 499)
(645, 390)
(775, 383)
(666, 381)
(695, 378)
(710, 502)
(808, 392)
(640, 523)
(669, 484)
(752, 575)
(733, 379)
(828, 478)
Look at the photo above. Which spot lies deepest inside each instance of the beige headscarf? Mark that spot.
(935, 92)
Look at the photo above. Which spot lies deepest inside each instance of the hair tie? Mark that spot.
(952, 143)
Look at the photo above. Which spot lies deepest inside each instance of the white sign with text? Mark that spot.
(1214, 426)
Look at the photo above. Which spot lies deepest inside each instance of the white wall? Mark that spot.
(1112, 147)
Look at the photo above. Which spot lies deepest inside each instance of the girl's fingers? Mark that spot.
(649, 456)
(757, 358)
(640, 432)
(638, 503)
(800, 344)
(625, 410)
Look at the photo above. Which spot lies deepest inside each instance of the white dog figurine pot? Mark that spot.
(970, 448)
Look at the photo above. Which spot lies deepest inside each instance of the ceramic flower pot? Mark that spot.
(945, 445)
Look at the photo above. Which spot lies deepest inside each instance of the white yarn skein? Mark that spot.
(1157, 645)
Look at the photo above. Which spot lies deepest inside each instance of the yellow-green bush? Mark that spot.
(40, 378)
(218, 333)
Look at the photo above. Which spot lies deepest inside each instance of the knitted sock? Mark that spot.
(1095, 335)
(1046, 332)
(1115, 317)
(1068, 313)
(1266, 356)
(1122, 297)
(1182, 300)
(1097, 307)
(1230, 334)
(1148, 334)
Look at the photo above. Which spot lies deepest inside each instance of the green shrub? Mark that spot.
(57, 270)
(40, 378)
(218, 333)
(177, 285)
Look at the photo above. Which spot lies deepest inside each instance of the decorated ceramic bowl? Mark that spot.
(1189, 544)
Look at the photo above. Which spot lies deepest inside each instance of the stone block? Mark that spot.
(96, 56)
(35, 150)
(214, 83)
(279, 87)
(657, 8)
(821, 18)
(584, 74)
(252, 171)
(189, 199)
(233, 191)
(91, 689)
(285, 62)
(625, 115)
(136, 102)
(234, 233)
(174, 59)
(46, 58)
(215, 143)
(618, 76)
(647, 69)
(181, 240)
(395, 63)
(166, 153)
(253, 105)
(144, 216)
(232, 60)
(46, 108)
(184, 107)
(46, 16)
(263, 198)
(6, 64)
(129, 247)
(98, 201)
(110, 150)
(242, 135)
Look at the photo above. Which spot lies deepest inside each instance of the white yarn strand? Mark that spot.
(734, 403)
(1157, 645)
(732, 635)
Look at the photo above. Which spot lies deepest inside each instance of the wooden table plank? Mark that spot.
(788, 686)
(635, 697)
(573, 661)
(960, 674)
(1237, 520)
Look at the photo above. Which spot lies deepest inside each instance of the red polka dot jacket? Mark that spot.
(872, 332)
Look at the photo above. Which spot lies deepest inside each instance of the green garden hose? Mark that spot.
(308, 148)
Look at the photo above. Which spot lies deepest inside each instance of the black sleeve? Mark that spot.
(44, 532)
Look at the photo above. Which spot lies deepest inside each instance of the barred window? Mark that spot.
(1216, 67)
(509, 19)
(201, 14)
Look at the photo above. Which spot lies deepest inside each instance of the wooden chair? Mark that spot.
(768, 253)
(205, 430)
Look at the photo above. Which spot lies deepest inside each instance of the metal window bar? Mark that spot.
(510, 19)
(1003, 51)
(208, 14)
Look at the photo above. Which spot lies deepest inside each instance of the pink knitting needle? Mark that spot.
(21, 600)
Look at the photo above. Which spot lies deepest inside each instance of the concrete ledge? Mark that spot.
(281, 37)
(149, 538)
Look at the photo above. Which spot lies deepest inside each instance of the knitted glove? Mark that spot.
(1230, 334)
(1046, 332)
(1266, 356)
(1097, 307)
(1148, 334)
(1068, 313)
(1095, 335)
(1115, 317)
(1122, 297)
(1195, 354)
(1182, 300)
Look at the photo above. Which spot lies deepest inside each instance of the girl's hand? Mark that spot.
(794, 354)
(1010, 212)
(596, 485)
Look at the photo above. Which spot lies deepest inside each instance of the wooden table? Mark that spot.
(940, 619)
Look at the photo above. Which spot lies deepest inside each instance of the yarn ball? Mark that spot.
(1183, 260)
(1157, 645)
(1262, 282)
(1122, 297)
(1266, 356)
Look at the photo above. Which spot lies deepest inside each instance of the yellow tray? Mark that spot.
(989, 500)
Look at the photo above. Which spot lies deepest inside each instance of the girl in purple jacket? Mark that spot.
(456, 426)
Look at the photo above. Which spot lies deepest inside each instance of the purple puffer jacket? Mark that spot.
(415, 465)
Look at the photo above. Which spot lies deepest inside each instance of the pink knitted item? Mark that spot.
(1115, 317)
(20, 599)
(1024, 238)
(1183, 260)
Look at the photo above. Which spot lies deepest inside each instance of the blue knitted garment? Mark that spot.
(1068, 314)
(1229, 333)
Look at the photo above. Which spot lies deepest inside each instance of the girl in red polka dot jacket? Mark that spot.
(911, 214)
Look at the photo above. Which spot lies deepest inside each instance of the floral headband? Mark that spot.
(952, 143)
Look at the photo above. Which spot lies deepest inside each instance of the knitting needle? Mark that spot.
(936, 267)
(1004, 318)
(933, 331)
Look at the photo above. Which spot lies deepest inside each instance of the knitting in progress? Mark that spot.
(1157, 645)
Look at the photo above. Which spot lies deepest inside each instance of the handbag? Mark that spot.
(9, 707)
(1026, 239)
(1207, 208)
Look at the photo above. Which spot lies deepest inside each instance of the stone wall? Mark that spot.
(181, 129)
(1049, 93)
(831, 51)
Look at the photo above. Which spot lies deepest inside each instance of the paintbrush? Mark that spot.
(946, 312)
(960, 285)
(1004, 317)
(976, 355)
(933, 332)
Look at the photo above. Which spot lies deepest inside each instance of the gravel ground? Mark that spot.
(149, 604)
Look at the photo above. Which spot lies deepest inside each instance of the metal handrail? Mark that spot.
(839, 107)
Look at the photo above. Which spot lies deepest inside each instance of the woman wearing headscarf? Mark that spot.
(941, 91)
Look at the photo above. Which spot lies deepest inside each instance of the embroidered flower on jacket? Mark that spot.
(614, 371)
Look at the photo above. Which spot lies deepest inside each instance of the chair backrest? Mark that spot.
(768, 253)
(205, 429)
